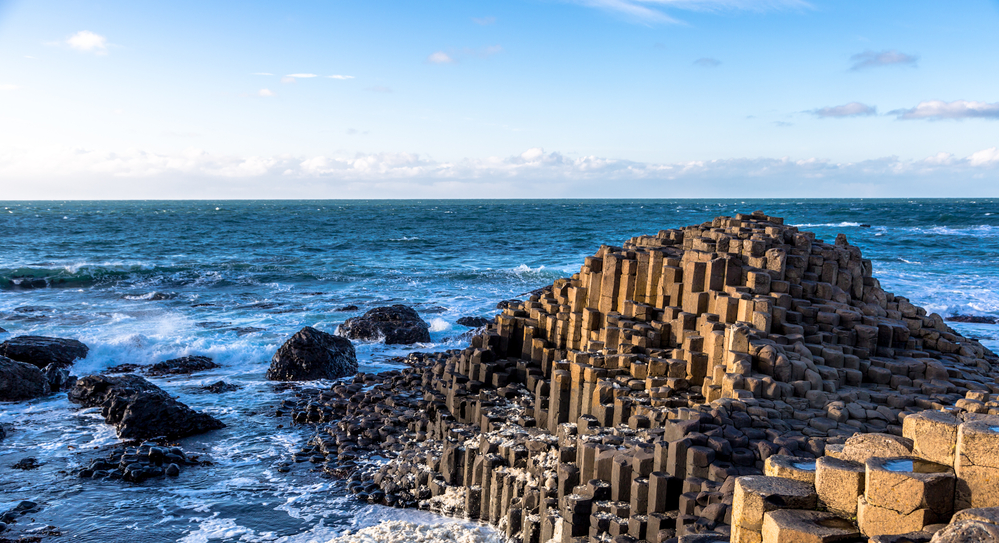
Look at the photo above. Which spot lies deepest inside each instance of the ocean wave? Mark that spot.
(844, 224)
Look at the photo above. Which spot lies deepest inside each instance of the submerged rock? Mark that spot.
(473, 322)
(21, 381)
(973, 319)
(398, 324)
(312, 354)
(139, 409)
(58, 377)
(182, 366)
(42, 351)
(220, 387)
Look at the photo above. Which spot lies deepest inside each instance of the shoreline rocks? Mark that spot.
(185, 365)
(139, 409)
(21, 381)
(42, 351)
(397, 325)
(312, 354)
(717, 382)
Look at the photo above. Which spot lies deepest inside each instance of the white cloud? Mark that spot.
(88, 41)
(651, 11)
(985, 157)
(302, 76)
(440, 57)
(708, 62)
(853, 109)
(936, 110)
(877, 59)
(340, 76)
(266, 93)
(8, 87)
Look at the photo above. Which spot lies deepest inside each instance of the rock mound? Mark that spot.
(181, 366)
(21, 381)
(312, 354)
(398, 324)
(473, 322)
(42, 351)
(139, 409)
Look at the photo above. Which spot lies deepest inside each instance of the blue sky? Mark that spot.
(522, 98)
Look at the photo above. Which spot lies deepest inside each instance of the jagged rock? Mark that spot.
(220, 387)
(312, 354)
(21, 381)
(397, 324)
(139, 409)
(973, 319)
(350, 307)
(58, 377)
(123, 368)
(42, 351)
(473, 322)
(181, 366)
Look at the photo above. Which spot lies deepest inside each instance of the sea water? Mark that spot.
(142, 282)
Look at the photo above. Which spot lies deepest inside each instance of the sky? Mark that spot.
(488, 99)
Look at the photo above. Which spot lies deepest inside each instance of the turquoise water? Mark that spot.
(142, 282)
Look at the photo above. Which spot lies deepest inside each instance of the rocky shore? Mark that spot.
(737, 380)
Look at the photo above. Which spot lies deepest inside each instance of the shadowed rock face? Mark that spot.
(139, 409)
(398, 324)
(42, 351)
(21, 381)
(182, 366)
(312, 354)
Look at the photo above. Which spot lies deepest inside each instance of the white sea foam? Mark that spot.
(438, 324)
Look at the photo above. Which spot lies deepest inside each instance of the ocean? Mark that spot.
(145, 281)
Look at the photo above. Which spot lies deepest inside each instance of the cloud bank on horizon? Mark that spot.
(635, 97)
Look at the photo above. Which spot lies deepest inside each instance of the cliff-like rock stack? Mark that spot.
(735, 380)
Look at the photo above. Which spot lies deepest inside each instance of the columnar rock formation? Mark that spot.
(684, 383)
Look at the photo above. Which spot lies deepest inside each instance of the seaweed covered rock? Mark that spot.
(313, 354)
(21, 381)
(42, 351)
(397, 324)
(139, 409)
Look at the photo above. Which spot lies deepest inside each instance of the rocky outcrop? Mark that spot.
(473, 322)
(181, 366)
(58, 377)
(139, 409)
(397, 324)
(723, 381)
(21, 381)
(313, 354)
(42, 351)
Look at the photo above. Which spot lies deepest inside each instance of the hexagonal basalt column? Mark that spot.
(977, 464)
(933, 435)
(901, 493)
(839, 483)
(791, 467)
(757, 495)
(792, 525)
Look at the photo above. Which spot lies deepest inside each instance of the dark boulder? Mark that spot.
(398, 324)
(220, 387)
(312, 354)
(181, 366)
(139, 409)
(58, 377)
(42, 351)
(973, 319)
(21, 381)
(473, 322)
(350, 307)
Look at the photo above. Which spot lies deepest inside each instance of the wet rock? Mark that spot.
(58, 377)
(397, 324)
(473, 322)
(139, 409)
(28, 463)
(973, 319)
(2, 331)
(246, 330)
(173, 470)
(181, 366)
(220, 387)
(507, 303)
(351, 307)
(42, 351)
(312, 354)
(21, 381)
(123, 368)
